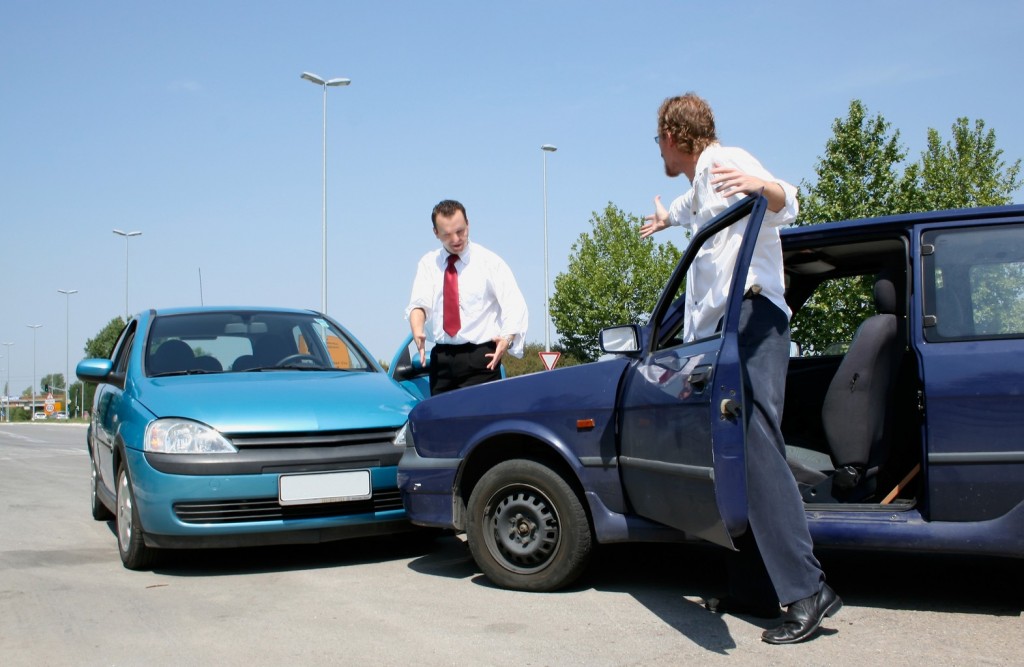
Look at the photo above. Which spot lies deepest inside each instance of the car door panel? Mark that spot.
(682, 443)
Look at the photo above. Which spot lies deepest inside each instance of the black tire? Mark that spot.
(527, 529)
(135, 555)
(99, 510)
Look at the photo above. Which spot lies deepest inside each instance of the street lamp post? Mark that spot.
(546, 148)
(7, 389)
(126, 236)
(324, 83)
(67, 346)
(33, 327)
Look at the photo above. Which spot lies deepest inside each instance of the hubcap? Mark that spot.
(523, 530)
(124, 512)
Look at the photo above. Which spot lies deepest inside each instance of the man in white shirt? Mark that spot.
(775, 562)
(484, 316)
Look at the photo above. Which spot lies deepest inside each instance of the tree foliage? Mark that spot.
(859, 176)
(966, 171)
(613, 277)
(103, 344)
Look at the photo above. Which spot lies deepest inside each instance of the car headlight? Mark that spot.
(181, 436)
(404, 436)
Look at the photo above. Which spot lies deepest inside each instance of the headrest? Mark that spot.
(885, 295)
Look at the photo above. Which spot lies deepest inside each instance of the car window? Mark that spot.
(123, 347)
(236, 341)
(974, 283)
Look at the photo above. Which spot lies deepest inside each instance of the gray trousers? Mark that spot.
(781, 545)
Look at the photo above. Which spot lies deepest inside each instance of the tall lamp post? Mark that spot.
(324, 83)
(7, 391)
(33, 327)
(126, 235)
(546, 148)
(67, 345)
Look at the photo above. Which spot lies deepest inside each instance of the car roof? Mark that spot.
(191, 310)
(991, 214)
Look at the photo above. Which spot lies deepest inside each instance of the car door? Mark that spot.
(682, 428)
(971, 342)
(108, 395)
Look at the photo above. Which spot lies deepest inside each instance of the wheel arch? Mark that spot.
(506, 446)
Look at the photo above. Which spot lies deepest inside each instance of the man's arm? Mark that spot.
(417, 318)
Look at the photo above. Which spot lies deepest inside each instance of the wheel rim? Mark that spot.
(124, 512)
(523, 532)
(95, 480)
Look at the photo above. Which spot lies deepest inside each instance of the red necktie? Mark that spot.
(452, 323)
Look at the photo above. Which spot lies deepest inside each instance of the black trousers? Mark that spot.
(457, 366)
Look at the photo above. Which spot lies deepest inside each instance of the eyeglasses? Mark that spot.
(657, 139)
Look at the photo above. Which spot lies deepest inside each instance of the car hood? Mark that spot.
(592, 385)
(280, 401)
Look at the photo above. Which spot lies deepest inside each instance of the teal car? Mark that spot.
(233, 427)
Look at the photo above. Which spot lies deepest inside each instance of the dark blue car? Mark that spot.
(906, 438)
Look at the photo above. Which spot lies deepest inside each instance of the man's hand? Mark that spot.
(421, 340)
(656, 222)
(501, 346)
(729, 181)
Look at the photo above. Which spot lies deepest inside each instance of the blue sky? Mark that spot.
(188, 121)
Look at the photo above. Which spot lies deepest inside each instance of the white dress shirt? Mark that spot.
(490, 303)
(707, 282)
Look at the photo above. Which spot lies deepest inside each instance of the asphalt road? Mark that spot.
(66, 600)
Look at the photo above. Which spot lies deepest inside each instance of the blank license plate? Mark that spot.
(329, 487)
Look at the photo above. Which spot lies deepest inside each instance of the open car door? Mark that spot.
(682, 410)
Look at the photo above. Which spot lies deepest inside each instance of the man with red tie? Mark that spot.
(465, 299)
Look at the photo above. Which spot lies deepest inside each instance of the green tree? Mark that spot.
(614, 277)
(103, 344)
(966, 171)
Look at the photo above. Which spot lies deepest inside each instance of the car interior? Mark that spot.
(216, 342)
(851, 421)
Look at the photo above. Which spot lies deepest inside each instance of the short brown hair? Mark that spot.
(447, 208)
(689, 120)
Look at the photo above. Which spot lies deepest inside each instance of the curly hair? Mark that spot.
(447, 208)
(689, 120)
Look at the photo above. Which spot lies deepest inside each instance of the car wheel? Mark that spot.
(99, 510)
(135, 555)
(527, 529)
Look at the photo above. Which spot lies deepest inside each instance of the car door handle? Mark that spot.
(698, 377)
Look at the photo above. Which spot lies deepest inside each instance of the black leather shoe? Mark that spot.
(804, 617)
(739, 607)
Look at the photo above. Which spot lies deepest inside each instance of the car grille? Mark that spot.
(268, 509)
(292, 440)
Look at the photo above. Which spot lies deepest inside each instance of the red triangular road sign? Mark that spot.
(549, 359)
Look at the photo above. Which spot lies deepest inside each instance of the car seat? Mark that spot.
(173, 356)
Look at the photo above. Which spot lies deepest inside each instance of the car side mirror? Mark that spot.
(620, 340)
(94, 370)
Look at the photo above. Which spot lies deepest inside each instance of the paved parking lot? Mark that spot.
(66, 599)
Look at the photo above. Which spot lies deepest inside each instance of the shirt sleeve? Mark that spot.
(514, 318)
(746, 162)
(422, 294)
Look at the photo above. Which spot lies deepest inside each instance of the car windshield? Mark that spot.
(249, 341)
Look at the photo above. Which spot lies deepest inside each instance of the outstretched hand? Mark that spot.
(656, 222)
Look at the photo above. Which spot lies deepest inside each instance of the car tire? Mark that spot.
(527, 529)
(99, 510)
(135, 555)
